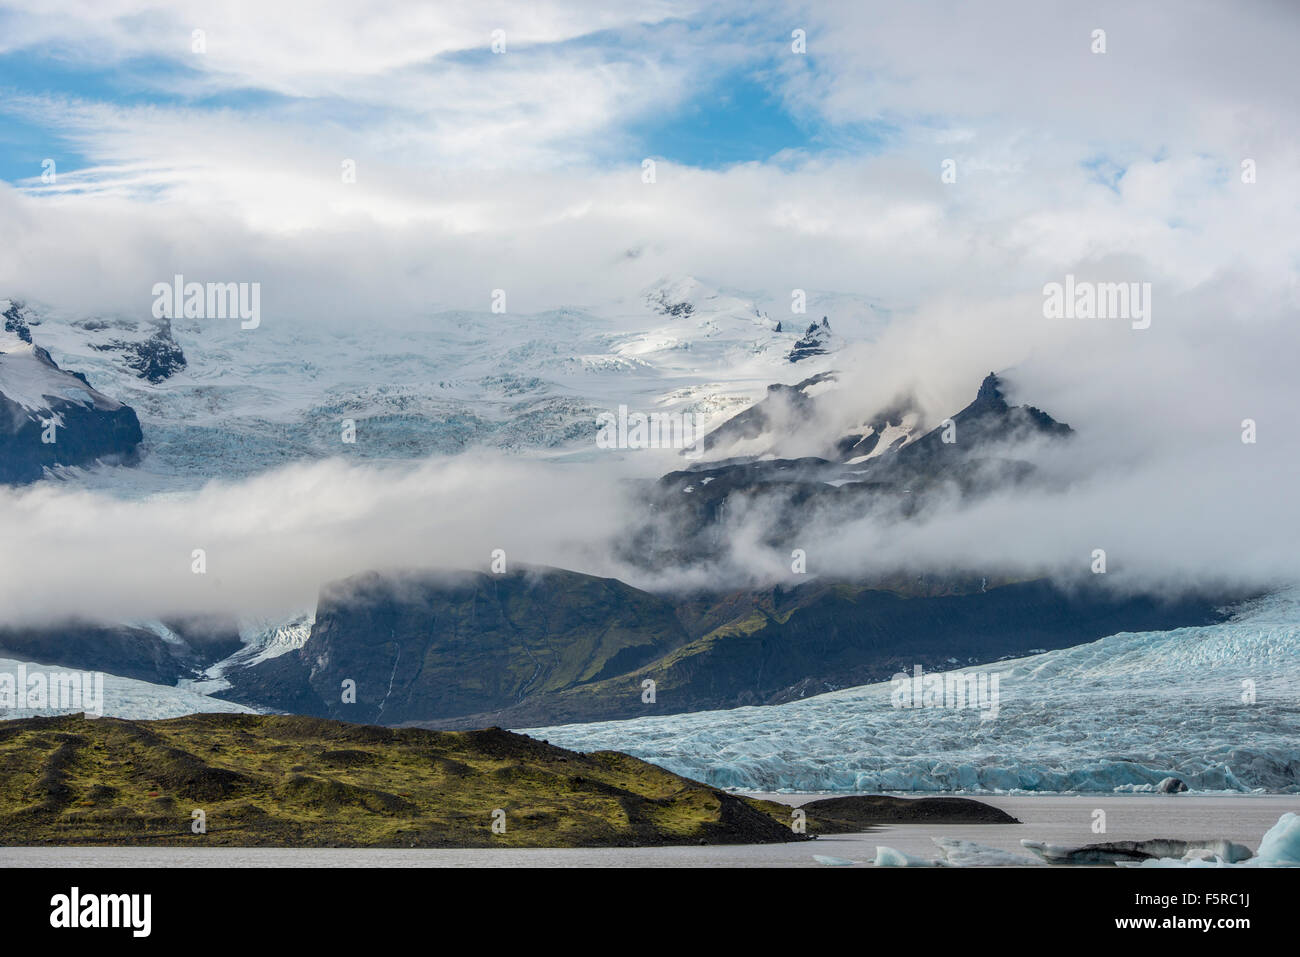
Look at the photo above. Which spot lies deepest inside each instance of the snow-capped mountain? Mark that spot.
(891, 466)
(209, 392)
(51, 417)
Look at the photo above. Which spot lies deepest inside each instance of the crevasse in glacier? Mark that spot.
(1214, 706)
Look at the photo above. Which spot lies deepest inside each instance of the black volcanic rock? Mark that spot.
(688, 507)
(862, 443)
(662, 304)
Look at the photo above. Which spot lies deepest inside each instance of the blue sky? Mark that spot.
(777, 168)
(724, 112)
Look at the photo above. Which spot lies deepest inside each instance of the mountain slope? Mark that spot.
(50, 417)
(787, 644)
(887, 470)
(422, 646)
(549, 646)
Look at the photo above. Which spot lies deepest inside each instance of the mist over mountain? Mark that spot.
(668, 377)
(842, 456)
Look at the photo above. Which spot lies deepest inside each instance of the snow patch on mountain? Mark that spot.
(263, 639)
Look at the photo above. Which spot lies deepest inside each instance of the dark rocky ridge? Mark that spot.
(546, 648)
(783, 405)
(91, 428)
(559, 647)
(16, 322)
(988, 421)
(688, 507)
(814, 342)
(154, 358)
(124, 650)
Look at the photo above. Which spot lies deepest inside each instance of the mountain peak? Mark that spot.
(991, 388)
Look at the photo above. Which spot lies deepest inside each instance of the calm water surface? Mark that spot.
(1055, 819)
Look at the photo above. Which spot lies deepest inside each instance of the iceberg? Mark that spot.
(1114, 852)
(1280, 847)
(1281, 844)
(961, 853)
(888, 857)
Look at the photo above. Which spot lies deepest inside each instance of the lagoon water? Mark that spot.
(1056, 819)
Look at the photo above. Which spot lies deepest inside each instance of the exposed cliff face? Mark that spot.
(986, 423)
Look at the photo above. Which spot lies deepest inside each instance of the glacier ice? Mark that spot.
(959, 853)
(889, 857)
(1281, 844)
(1116, 851)
(1279, 847)
(464, 380)
(126, 698)
(1213, 706)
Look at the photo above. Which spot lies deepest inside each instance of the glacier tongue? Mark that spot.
(1213, 706)
(122, 697)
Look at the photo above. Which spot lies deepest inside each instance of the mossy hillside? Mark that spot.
(276, 780)
(420, 645)
(826, 635)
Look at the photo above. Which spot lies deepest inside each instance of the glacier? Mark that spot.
(1214, 706)
(533, 382)
(124, 697)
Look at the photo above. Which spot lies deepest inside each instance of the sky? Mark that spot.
(774, 169)
(777, 165)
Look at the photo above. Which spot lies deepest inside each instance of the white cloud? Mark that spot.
(478, 173)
